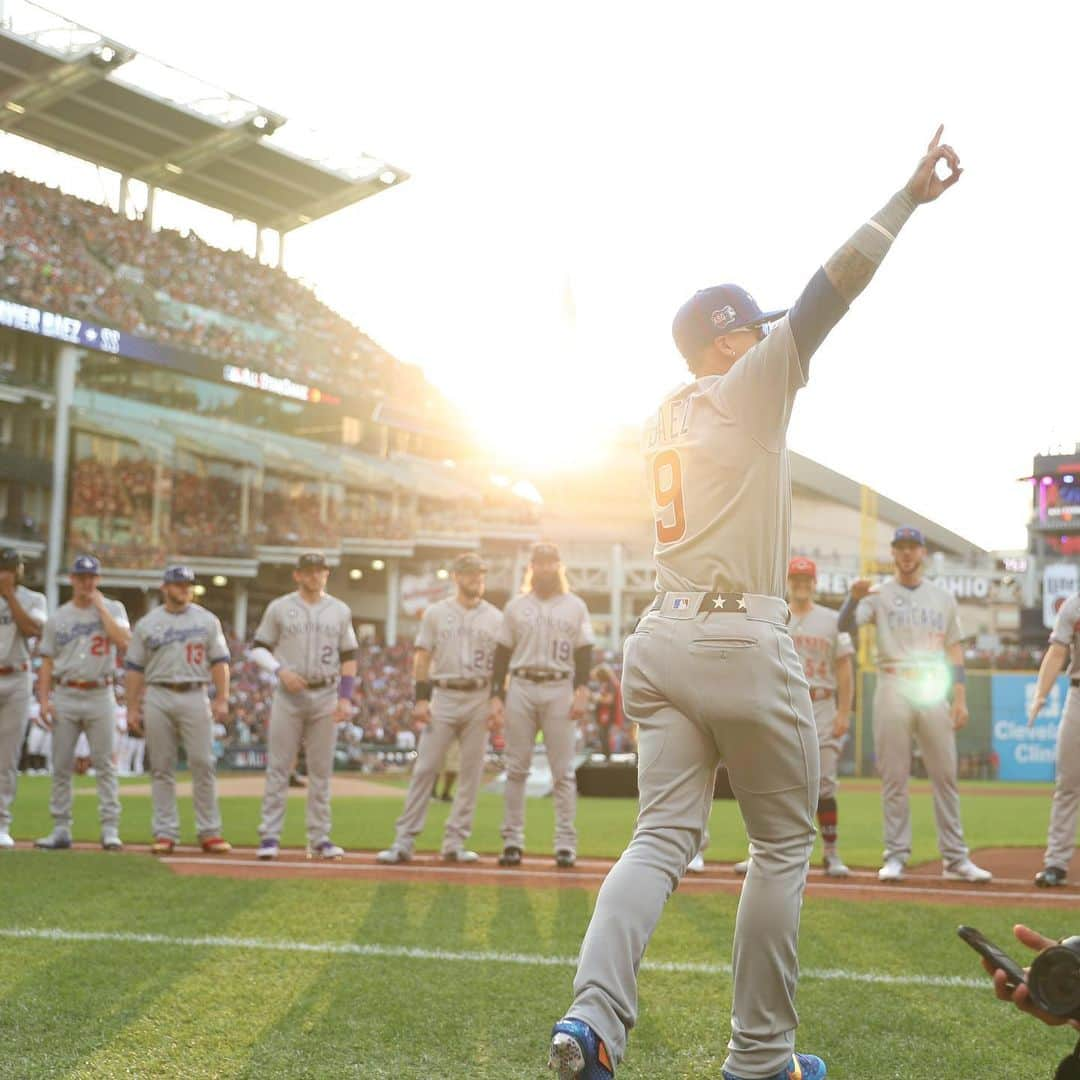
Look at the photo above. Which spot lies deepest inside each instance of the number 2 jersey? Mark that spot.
(308, 638)
(76, 640)
(177, 647)
(543, 634)
(820, 642)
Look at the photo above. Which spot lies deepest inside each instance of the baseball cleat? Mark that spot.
(1050, 877)
(966, 870)
(460, 856)
(326, 850)
(110, 840)
(57, 840)
(392, 856)
(511, 856)
(802, 1067)
(696, 865)
(834, 866)
(6, 841)
(578, 1053)
(564, 859)
(216, 845)
(162, 845)
(893, 870)
(741, 867)
(268, 849)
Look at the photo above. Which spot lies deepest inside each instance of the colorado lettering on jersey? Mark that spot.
(298, 625)
(670, 422)
(566, 627)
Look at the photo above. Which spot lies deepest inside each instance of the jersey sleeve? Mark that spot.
(1067, 623)
(347, 641)
(866, 611)
(217, 647)
(268, 630)
(119, 614)
(585, 635)
(760, 389)
(426, 638)
(37, 609)
(135, 658)
(47, 642)
(506, 628)
(953, 631)
(844, 645)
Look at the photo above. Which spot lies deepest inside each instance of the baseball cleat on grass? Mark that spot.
(893, 870)
(578, 1053)
(216, 845)
(966, 870)
(834, 866)
(57, 840)
(326, 850)
(162, 845)
(696, 865)
(268, 849)
(460, 856)
(1050, 877)
(392, 856)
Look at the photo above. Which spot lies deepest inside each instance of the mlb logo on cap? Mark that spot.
(179, 575)
(908, 534)
(86, 564)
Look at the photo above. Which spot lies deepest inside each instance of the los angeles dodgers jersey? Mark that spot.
(461, 640)
(76, 640)
(177, 646)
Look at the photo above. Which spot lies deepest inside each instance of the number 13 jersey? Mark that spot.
(717, 469)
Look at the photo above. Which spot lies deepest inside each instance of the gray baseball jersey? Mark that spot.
(177, 647)
(913, 625)
(461, 640)
(76, 640)
(820, 643)
(308, 638)
(717, 469)
(1067, 631)
(544, 633)
(14, 647)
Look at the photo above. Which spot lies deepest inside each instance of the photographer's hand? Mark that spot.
(1020, 996)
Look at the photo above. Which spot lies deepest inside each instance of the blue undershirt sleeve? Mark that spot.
(846, 622)
(819, 308)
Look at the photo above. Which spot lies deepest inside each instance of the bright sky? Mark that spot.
(634, 152)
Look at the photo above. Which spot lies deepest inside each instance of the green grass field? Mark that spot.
(875, 996)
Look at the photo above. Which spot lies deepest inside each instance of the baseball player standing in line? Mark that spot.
(452, 665)
(1061, 841)
(22, 616)
(711, 671)
(918, 635)
(79, 647)
(175, 651)
(306, 637)
(546, 644)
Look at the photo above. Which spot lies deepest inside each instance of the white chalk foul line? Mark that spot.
(406, 952)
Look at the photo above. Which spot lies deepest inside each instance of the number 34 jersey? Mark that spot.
(76, 640)
(544, 633)
(717, 469)
(177, 646)
(308, 638)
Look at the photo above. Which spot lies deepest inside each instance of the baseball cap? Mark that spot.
(312, 560)
(802, 565)
(179, 575)
(907, 533)
(469, 563)
(544, 550)
(715, 311)
(85, 564)
(10, 559)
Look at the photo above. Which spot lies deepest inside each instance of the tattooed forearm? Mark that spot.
(849, 272)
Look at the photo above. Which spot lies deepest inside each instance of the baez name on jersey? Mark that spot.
(671, 421)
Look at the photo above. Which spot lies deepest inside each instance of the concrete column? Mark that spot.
(617, 584)
(260, 243)
(240, 609)
(125, 196)
(521, 559)
(393, 598)
(148, 216)
(67, 363)
(281, 250)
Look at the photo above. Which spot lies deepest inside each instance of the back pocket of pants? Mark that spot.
(722, 644)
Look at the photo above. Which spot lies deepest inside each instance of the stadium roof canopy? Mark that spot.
(75, 90)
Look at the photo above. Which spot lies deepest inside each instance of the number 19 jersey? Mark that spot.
(717, 468)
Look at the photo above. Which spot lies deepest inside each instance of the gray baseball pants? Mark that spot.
(897, 719)
(14, 718)
(533, 707)
(171, 717)
(1061, 842)
(704, 688)
(92, 711)
(305, 718)
(460, 715)
(829, 747)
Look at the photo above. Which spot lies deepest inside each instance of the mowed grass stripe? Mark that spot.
(407, 952)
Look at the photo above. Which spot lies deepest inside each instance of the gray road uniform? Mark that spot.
(1061, 842)
(820, 643)
(84, 666)
(914, 629)
(15, 690)
(542, 636)
(710, 674)
(175, 652)
(309, 639)
(462, 645)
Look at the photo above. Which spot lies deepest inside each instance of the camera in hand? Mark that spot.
(1054, 979)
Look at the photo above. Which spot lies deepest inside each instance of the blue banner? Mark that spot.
(1025, 753)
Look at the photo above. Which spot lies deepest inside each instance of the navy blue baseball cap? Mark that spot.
(715, 311)
(85, 564)
(312, 560)
(908, 534)
(10, 559)
(179, 575)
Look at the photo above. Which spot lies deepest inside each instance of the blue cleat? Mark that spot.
(578, 1053)
(802, 1067)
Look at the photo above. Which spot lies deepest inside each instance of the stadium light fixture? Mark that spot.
(15, 107)
(220, 580)
(170, 167)
(200, 590)
(355, 574)
(1068, 478)
(442, 574)
(378, 564)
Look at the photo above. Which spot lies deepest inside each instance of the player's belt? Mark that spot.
(318, 684)
(85, 684)
(12, 670)
(818, 693)
(904, 671)
(460, 684)
(539, 674)
(180, 687)
(689, 605)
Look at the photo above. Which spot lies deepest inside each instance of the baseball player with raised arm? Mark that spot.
(1061, 840)
(452, 666)
(175, 651)
(79, 647)
(545, 644)
(711, 672)
(918, 638)
(22, 617)
(306, 637)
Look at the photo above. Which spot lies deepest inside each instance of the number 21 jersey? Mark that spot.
(76, 640)
(717, 469)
